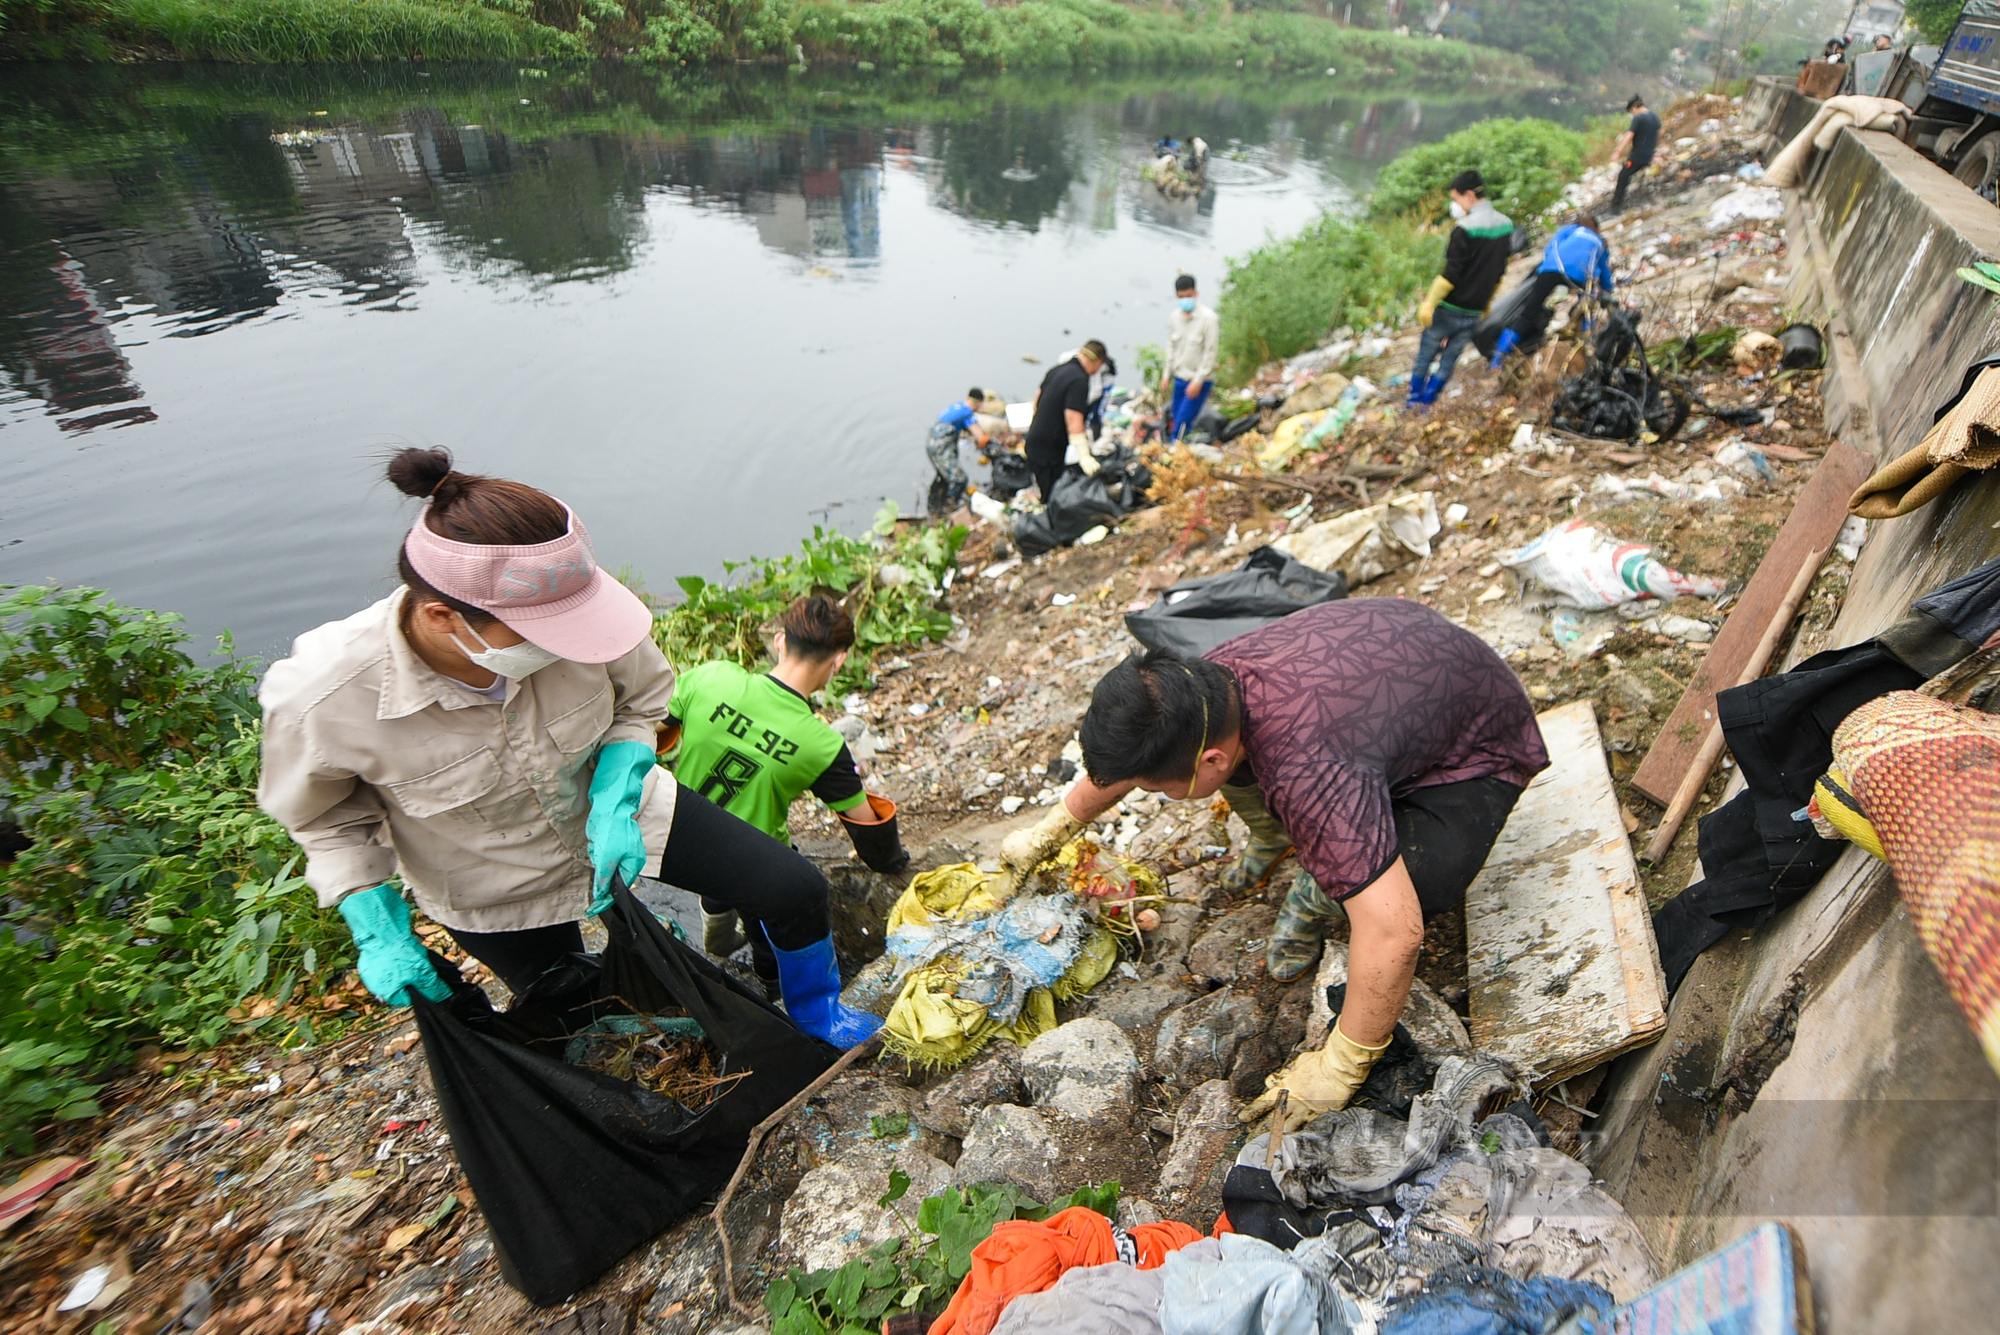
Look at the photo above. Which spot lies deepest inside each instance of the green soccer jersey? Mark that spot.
(750, 744)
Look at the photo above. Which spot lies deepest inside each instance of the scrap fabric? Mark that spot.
(1023, 1257)
(1927, 776)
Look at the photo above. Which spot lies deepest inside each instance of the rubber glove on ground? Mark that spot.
(616, 843)
(393, 962)
(1321, 1081)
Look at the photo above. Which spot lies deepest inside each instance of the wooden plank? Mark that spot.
(1814, 523)
(1560, 960)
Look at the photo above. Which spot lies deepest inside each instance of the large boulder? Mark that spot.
(1233, 949)
(1205, 1127)
(1009, 1143)
(1201, 1040)
(994, 1078)
(1137, 1005)
(832, 1217)
(1082, 1070)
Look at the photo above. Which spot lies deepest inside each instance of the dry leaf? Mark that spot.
(400, 1238)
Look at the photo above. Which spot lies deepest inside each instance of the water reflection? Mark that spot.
(228, 263)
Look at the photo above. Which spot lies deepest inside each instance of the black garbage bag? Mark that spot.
(1195, 615)
(1012, 474)
(1242, 426)
(573, 1169)
(1080, 504)
(1511, 311)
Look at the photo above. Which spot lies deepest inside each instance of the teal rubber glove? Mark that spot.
(393, 962)
(613, 828)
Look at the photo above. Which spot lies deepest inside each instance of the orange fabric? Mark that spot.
(1024, 1257)
(1222, 1225)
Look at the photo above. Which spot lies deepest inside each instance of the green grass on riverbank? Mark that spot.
(946, 34)
(1287, 295)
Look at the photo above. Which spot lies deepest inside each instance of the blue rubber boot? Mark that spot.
(1509, 340)
(809, 980)
(1433, 386)
(1416, 398)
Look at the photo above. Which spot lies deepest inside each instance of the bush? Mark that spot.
(1526, 164)
(1934, 18)
(154, 901)
(261, 31)
(1283, 297)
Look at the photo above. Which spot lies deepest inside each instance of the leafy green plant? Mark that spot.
(889, 583)
(1525, 162)
(914, 1273)
(154, 899)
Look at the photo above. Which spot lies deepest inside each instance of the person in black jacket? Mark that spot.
(1474, 260)
(1642, 138)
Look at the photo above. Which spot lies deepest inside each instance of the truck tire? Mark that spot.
(1979, 166)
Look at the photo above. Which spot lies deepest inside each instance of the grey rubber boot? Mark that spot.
(1300, 932)
(1268, 840)
(722, 933)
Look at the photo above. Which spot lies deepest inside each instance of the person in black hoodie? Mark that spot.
(1474, 260)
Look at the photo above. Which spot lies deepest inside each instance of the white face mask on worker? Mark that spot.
(514, 661)
(1457, 209)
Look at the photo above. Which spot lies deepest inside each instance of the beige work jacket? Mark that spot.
(378, 765)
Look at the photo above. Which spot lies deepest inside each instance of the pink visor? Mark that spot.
(551, 593)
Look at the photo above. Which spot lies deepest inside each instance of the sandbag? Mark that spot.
(573, 1168)
(1196, 615)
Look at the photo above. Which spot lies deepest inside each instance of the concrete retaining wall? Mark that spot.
(1815, 1070)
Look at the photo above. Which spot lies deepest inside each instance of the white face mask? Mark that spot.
(514, 662)
(1457, 209)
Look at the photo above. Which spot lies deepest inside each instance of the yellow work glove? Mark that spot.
(1320, 1081)
(1024, 850)
(1427, 308)
(1084, 458)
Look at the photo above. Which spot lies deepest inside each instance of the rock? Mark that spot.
(1234, 946)
(1082, 1069)
(1204, 1129)
(1136, 1210)
(473, 1257)
(873, 987)
(994, 1078)
(1009, 1143)
(841, 1127)
(860, 901)
(1199, 1041)
(1136, 1006)
(832, 1217)
(1434, 1026)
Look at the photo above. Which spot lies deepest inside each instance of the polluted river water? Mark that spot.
(708, 315)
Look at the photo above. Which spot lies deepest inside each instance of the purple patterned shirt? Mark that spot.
(1350, 704)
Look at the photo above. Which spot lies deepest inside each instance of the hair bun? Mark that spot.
(419, 472)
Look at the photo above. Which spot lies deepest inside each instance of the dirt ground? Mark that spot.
(248, 1191)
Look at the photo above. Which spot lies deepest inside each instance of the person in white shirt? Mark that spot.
(1193, 333)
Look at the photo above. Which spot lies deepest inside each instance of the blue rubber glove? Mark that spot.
(393, 962)
(613, 827)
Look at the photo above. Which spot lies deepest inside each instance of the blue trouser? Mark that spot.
(1449, 334)
(1187, 406)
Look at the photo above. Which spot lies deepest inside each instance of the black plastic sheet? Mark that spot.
(1196, 615)
(572, 1168)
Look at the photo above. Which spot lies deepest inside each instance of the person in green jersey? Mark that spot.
(751, 743)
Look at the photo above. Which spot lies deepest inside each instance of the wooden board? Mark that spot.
(1814, 523)
(1559, 951)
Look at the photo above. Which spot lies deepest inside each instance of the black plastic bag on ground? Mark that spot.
(1012, 473)
(573, 1168)
(1195, 615)
(1080, 504)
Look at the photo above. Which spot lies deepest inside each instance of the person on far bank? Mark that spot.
(486, 734)
(1475, 259)
(1382, 742)
(948, 492)
(1634, 150)
(751, 743)
(1194, 333)
(1056, 435)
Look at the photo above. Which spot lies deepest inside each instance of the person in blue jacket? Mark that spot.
(1577, 256)
(948, 491)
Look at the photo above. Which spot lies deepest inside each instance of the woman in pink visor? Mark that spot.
(486, 733)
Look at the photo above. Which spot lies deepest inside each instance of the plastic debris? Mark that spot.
(1367, 544)
(1588, 568)
(1745, 460)
(1746, 203)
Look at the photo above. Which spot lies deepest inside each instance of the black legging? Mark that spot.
(710, 853)
(1047, 469)
(1444, 834)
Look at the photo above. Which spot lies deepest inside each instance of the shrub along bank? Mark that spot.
(948, 34)
(1285, 296)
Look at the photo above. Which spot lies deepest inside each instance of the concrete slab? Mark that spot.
(1560, 958)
